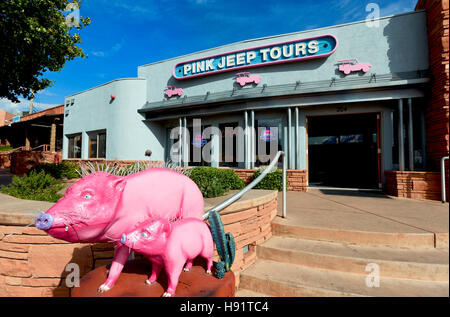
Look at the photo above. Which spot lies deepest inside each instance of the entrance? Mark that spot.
(343, 151)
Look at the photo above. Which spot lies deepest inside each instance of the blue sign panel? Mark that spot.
(15, 119)
(302, 49)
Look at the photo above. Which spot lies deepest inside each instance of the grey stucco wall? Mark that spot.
(398, 44)
(127, 137)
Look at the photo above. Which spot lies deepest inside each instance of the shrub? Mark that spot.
(4, 147)
(58, 170)
(34, 186)
(214, 182)
(273, 180)
(231, 180)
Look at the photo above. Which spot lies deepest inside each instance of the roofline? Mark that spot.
(279, 35)
(104, 84)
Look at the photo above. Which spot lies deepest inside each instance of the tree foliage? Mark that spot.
(35, 37)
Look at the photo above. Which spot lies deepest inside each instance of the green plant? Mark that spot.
(214, 182)
(34, 186)
(273, 180)
(5, 147)
(208, 181)
(230, 179)
(59, 170)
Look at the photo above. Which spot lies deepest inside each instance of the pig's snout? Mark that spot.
(123, 238)
(44, 221)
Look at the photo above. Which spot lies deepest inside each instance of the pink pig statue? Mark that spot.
(100, 207)
(171, 245)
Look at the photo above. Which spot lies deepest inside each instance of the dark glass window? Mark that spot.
(97, 145)
(74, 146)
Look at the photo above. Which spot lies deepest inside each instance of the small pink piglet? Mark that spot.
(171, 245)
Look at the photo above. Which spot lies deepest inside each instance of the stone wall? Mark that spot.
(33, 263)
(23, 161)
(422, 185)
(5, 159)
(296, 178)
(437, 111)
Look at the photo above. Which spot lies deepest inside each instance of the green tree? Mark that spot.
(36, 36)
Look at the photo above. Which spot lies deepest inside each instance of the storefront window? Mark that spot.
(229, 144)
(268, 140)
(74, 146)
(197, 142)
(97, 145)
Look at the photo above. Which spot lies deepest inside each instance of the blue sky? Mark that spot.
(124, 34)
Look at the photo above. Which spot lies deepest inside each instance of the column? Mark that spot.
(410, 136)
(180, 141)
(289, 137)
(401, 140)
(297, 140)
(53, 138)
(27, 140)
(185, 144)
(252, 139)
(246, 140)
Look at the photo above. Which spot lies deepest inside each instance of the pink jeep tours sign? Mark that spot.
(301, 49)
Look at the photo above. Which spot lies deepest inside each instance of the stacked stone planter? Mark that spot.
(33, 263)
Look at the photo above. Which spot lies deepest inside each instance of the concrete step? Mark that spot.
(283, 279)
(421, 264)
(281, 227)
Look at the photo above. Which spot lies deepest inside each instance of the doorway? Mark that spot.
(343, 151)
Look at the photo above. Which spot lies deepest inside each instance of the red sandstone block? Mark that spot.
(31, 239)
(13, 255)
(235, 228)
(41, 282)
(102, 246)
(238, 216)
(16, 268)
(51, 260)
(4, 246)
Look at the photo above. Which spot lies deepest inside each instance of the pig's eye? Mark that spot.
(87, 196)
(144, 234)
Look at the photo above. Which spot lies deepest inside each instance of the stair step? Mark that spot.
(281, 227)
(422, 264)
(283, 279)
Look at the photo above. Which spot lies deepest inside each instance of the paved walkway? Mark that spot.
(364, 211)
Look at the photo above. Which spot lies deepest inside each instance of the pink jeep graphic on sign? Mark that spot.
(351, 65)
(172, 91)
(245, 78)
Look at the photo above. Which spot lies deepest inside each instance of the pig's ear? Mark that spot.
(119, 184)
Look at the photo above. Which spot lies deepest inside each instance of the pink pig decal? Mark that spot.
(170, 245)
(100, 207)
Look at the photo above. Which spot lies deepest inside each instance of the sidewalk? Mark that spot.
(365, 212)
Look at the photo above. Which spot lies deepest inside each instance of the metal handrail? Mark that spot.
(444, 196)
(239, 194)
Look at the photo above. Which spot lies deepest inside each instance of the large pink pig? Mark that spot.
(100, 207)
(171, 245)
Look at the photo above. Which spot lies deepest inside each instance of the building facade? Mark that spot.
(346, 103)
